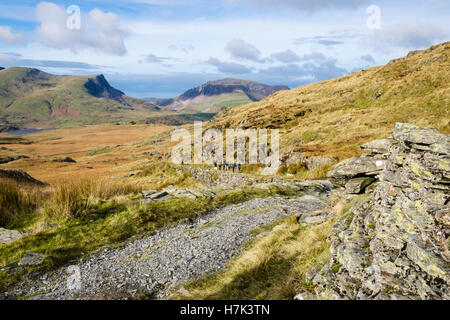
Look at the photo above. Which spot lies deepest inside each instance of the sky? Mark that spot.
(161, 48)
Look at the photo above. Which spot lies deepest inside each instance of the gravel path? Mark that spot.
(156, 264)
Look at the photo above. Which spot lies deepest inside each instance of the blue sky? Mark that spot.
(160, 48)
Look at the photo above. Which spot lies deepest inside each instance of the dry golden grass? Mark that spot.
(126, 146)
(17, 202)
(334, 117)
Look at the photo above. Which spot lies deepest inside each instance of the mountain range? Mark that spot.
(215, 96)
(31, 98)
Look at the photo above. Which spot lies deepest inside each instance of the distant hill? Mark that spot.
(214, 96)
(333, 117)
(30, 98)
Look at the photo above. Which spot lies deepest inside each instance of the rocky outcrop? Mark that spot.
(7, 159)
(344, 172)
(99, 87)
(313, 163)
(8, 236)
(310, 163)
(66, 159)
(226, 179)
(253, 90)
(20, 176)
(32, 259)
(393, 243)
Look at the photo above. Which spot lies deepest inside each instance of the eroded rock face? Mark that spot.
(342, 172)
(393, 243)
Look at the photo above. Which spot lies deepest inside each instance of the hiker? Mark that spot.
(239, 167)
(215, 165)
(233, 166)
(224, 165)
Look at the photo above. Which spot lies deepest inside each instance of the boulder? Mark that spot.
(294, 158)
(313, 163)
(428, 139)
(163, 198)
(314, 219)
(148, 193)
(153, 195)
(32, 259)
(66, 159)
(355, 167)
(8, 236)
(380, 146)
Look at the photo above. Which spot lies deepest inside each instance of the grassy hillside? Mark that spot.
(215, 96)
(32, 98)
(333, 117)
(214, 104)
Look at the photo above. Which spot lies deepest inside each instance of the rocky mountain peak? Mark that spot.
(99, 87)
(251, 91)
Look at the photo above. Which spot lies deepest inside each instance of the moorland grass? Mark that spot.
(85, 223)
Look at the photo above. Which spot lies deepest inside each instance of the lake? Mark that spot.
(26, 131)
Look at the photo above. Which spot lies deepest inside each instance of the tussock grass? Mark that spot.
(70, 200)
(16, 203)
(162, 174)
(76, 199)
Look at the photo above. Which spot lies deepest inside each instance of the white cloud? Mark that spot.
(286, 56)
(151, 58)
(309, 5)
(289, 56)
(368, 58)
(228, 67)
(6, 59)
(99, 31)
(407, 35)
(242, 50)
(7, 36)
